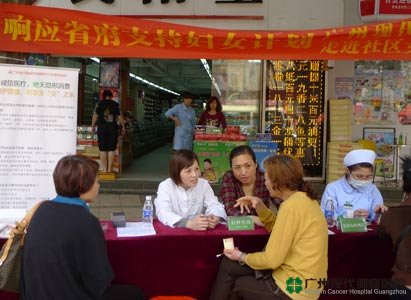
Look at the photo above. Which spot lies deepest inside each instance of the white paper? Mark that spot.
(11, 216)
(136, 229)
(330, 232)
(5, 230)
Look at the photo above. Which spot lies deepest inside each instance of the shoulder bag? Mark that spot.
(10, 254)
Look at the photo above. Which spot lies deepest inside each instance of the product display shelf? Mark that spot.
(150, 135)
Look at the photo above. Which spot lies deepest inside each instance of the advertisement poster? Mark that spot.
(38, 122)
(263, 150)
(369, 107)
(384, 139)
(214, 158)
(344, 88)
(209, 157)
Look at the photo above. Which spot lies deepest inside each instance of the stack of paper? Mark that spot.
(136, 229)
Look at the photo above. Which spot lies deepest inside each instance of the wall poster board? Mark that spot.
(38, 122)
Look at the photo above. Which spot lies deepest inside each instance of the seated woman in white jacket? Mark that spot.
(185, 199)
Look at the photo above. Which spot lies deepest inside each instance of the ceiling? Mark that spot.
(178, 75)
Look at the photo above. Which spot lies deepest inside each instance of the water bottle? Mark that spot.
(148, 211)
(329, 212)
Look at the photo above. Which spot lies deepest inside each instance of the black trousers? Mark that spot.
(235, 281)
(123, 292)
(400, 292)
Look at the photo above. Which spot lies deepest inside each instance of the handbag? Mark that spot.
(10, 254)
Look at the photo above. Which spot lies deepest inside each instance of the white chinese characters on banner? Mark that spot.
(38, 122)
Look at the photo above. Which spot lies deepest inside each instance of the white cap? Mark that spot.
(359, 156)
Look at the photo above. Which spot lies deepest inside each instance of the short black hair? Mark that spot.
(187, 95)
(107, 93)
(243, 149)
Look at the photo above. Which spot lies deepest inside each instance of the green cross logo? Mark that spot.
(294, 285)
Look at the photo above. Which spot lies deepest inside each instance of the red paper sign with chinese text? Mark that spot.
(395, 7)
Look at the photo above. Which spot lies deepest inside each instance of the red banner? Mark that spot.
(35, 29)
(395, 7)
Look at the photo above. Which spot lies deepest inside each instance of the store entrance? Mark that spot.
(155, 85)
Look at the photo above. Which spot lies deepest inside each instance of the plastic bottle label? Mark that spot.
(147, 214)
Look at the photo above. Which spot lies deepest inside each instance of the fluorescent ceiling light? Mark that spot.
(153, 84)
(95, 59)
(207, 68)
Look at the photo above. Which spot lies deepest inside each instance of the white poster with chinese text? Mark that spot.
(38, 122)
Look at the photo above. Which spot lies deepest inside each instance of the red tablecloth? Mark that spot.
(183, 262)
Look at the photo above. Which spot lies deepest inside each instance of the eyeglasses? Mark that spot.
(362, 177)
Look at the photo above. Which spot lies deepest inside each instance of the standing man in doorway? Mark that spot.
(184, 118)
(106, 115)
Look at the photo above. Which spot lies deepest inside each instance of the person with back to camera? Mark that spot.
(297, 246)
(185, 199)
(64, 254)
(184, 118)
(213, 115)
(244, 179)
(354, 194)
(395, 224)
(106, 115)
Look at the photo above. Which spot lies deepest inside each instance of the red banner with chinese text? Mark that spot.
(47, 30)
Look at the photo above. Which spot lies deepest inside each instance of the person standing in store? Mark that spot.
(213, 115)
(106, 116)
(184, 118)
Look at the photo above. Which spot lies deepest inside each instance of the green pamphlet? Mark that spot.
(240, 223)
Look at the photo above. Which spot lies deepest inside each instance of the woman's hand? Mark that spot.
(380, 208)
(361, 213)
(213, 221)
(199, 222)
(257, 221)
(233, 254)
(247, 201)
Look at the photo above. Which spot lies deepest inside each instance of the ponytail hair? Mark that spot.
(307, 188)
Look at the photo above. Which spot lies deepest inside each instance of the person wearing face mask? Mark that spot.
(185, 199)
(354, 194)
